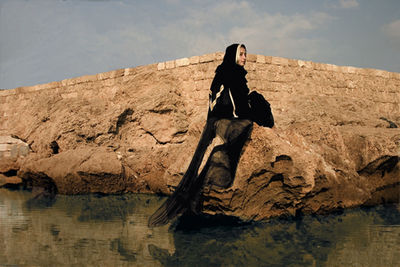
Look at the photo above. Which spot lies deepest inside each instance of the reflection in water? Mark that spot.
(93, 230)
(369, 237)
(86, 230)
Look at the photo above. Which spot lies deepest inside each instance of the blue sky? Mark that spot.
(50, 40)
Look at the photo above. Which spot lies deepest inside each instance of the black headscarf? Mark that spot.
(233, 76)
(229, 65)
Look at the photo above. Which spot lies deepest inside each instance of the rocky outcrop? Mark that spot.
(335, 143)
(310, 174)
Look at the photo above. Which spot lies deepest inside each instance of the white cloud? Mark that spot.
(348, 3)
(124, 35)
(208, 30)
(201, 29)
(343, 4)
(392, 31)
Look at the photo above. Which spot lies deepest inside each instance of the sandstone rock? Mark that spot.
(335, 144)
(12, 180)
(287, 173)
(77, 171)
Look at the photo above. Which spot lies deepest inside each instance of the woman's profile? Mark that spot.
(230, 117)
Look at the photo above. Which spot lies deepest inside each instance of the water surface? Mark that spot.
(95, 230)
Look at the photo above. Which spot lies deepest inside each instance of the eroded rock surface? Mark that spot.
(336, 142)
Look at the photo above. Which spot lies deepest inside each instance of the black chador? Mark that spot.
(231, 113)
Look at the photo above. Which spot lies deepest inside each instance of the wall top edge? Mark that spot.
(206, 58)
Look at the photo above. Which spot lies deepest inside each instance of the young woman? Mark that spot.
(230, 118)
(231, 115)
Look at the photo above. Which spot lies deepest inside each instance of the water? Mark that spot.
(93, 230)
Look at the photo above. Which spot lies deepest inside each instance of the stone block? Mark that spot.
(342, 69)
(334, 68)
(7, 92)
(347, 69)
(37, 88)
(66, 82)
(111, 74)
(102, 76)
(301, 63)
(161, 66)
(251, 58)
(170, 64)
(381, 73)
(20, 90)
(194, 60)
(50, 85)
(351, 70)
(207, 58)
(319, 66)
(260, 59)
(182, 62)
(128, 71)
(292, 63)
(116, 73)
(305, 64)
(361, 71)
(268, 59)
(280, 61)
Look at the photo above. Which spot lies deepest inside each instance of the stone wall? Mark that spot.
(266, 73)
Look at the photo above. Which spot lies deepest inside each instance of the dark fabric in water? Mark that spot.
(177, 203)
(219, 169)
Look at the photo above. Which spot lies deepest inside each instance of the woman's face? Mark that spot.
(242, 57)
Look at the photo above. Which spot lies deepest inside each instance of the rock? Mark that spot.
(284, 173)
(335, 143)
(77, 171)
(9, 181)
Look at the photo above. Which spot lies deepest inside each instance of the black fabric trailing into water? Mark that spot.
(218, 171)
(231, 114)
(179, 201)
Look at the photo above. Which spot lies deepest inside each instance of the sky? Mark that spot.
(50, 40)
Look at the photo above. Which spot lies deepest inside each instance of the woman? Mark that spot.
(229, 117)
(230, 83)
